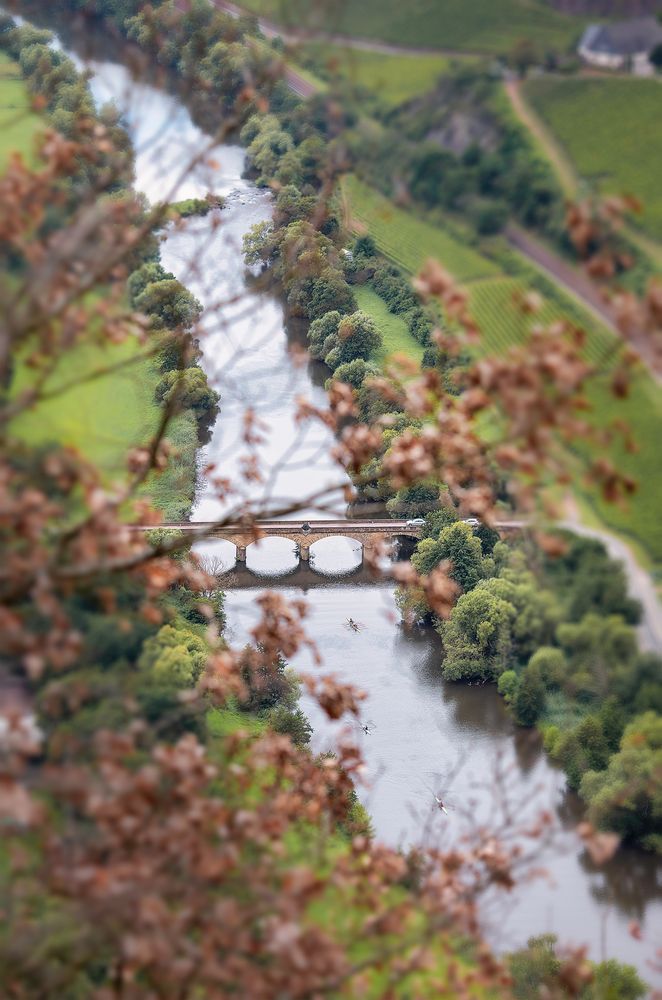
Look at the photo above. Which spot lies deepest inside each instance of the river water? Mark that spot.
(426, 734)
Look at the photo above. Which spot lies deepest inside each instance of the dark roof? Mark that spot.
(623, 38)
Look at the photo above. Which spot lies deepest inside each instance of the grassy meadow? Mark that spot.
(396, 336)
(600, 123)
(470, 25)
(18, 123)
(100, 417)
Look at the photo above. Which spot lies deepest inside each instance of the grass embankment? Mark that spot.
(599, 124)
(397, 338)
(493, 296)
(18, 122)
(479, 25)
(103, 416)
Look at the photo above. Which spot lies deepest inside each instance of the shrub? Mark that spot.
(340, 339)
(355, 372)
(529, 700)
(627, 796)
(508, 685)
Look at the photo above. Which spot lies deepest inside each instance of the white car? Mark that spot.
(473, 522)
(416, 522)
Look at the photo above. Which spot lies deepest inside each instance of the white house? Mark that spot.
(622, 44)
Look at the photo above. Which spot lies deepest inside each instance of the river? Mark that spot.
(424, 729)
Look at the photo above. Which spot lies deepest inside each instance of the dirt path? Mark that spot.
(563, 273)
(530, 120)
(581, 287)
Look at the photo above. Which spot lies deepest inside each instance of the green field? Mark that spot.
(609, 130)
(410, 241)
(394, 79)
(396, 336)
(18, 123)
(101, 417)
(473, 25)
(493, 295)
(494, 304)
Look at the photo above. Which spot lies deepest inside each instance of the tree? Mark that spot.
(439, 519)
(477, 637)
(169, 303)
(537, 609)
(340, 339)
(600, 652)
(175, 655)
(538, 971)
(508, 685)
(529, 701)
(355, 372)
(552, 666)
(627, 796)
(328, 292)
(414, 501)
(458, 544)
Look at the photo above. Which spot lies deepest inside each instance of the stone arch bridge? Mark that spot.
(304, 534)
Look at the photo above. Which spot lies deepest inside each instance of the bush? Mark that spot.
(529, 702)
(508, 685)
(552, 666)
(355, 372)
(627, 796)
(338, 340)
(175, 655)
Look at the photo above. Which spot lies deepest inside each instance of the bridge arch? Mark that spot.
(271, 556)
(334, 555)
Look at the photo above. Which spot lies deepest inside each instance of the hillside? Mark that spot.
(610, 153)
(481, 26)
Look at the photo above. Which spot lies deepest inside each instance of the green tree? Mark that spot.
(191, 388)
(600, 651)
(581, 749)
(537, 609)
(355, 372)
(477, 637)
(437, 520)
(175, 655)
(414, 501)
(169, 303)
(529, 701)
(552, 666)
(458, 544)
(508, 685)
(340, 339)
(627, 796)
(331, 291)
